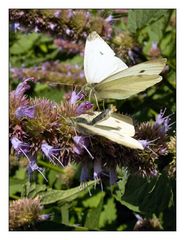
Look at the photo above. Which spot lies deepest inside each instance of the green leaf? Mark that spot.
(93, 216)
(65, 214)
(20, 174)
(16, 186)
(24, 43)
(139, 18)
(32, 190)
(43, 47)
(94, 200)
(63, 196)
(52, 177)
(168, 44)
(109, 214)
(146, 195)
(44, 90)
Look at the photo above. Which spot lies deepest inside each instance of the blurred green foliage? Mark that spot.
(114, 208)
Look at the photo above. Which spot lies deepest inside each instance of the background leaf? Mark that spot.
(146, 196)
(139, 18)
(63, 196)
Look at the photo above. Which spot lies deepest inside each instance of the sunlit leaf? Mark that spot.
(24, 43)
(139, 18)
(108, 215)
(63, 196)
(93, 216)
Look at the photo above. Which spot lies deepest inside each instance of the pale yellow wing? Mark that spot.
(131, 80)
(125, 87)
(115, 121)
(121, 123)
(111, 134)
(152, 67)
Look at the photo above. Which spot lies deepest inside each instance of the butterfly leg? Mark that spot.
(96, 102)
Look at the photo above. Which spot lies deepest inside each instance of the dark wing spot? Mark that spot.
(101, 53)
(142, 71)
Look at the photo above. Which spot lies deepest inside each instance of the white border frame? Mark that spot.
(4, 66)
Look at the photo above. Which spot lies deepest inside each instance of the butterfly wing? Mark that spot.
(115, 121)
(131, 80)
(152, 67)
(121, 123)
(100, 60)
(117, 128)
(111, 134)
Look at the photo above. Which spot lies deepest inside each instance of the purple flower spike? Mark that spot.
(44, 217)
(75, 97)
(112, 176)
(57, 13)
(49, 152)
(20, 147)
(32, 166)
(98, 171)
(80, 144)
(16, 27)
(97, 168)
(162, 122)
(83, 107)
(22, 87)
(84, 173)
(70, 13)
(109, 19)
(25, 111)
(144, 143)
(52, 26)
(154, 46)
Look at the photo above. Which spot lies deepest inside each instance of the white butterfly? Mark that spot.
(115, 127)
(110, 77)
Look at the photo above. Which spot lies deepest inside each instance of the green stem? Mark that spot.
(48, 165)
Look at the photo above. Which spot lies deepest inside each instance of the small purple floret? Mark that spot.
(83, 107)
(84, 176)
(154, 46)
(112, 176)
(109, 19)
(57, 13)
(32, 166)
(97, 168)
(162, 122)
(19, 146)
(25, 111)
(50, 152)
(144, 143)
(75, 97)
(80, 144)
(22, 87)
